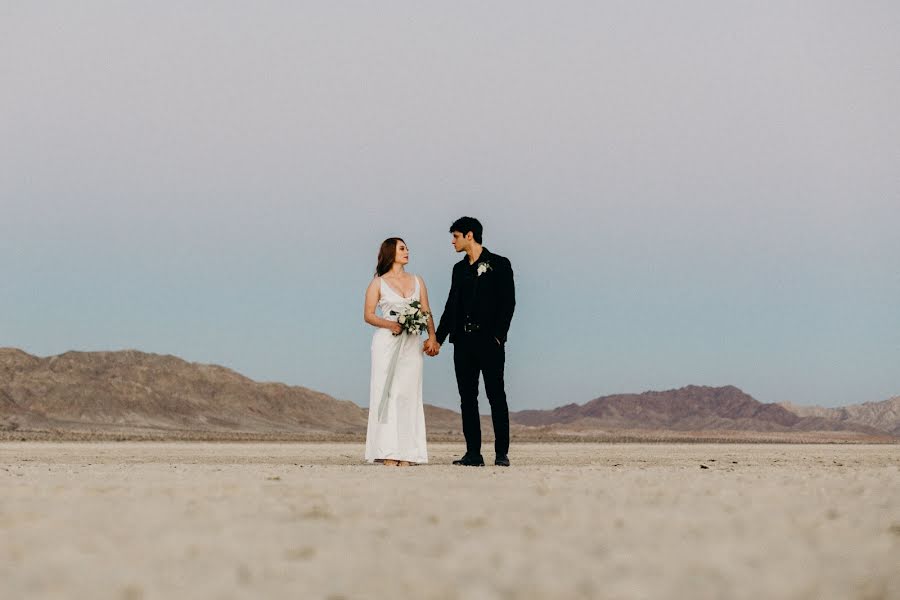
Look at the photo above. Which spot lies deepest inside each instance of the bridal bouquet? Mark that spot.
(412, 318)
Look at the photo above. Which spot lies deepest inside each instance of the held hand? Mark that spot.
(431, 347)
(395, 328)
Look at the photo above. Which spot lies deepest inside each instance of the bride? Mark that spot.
(396, 431)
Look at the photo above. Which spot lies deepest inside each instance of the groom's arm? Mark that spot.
(446, 323)
(507, 293)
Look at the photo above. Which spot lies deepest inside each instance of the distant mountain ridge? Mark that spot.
(136, 389)
(883, 416)
(132, 391)
(691, 408)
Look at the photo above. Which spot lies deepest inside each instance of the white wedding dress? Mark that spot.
(396, 413)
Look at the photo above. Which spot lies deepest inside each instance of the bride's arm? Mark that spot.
(427, 308)
(373, 295)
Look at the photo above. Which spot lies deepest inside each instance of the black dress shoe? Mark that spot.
(502, 460)
(469, 460)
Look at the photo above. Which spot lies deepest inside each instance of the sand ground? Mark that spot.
(230, 520)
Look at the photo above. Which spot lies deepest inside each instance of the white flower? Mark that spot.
(483, 268)
(402, 319)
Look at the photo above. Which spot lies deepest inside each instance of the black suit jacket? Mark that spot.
(494, 299)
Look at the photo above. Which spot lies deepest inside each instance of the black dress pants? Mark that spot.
(475, 354)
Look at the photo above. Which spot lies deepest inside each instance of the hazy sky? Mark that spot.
(691, 192)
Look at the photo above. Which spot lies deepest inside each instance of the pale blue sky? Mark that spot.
(695, 192)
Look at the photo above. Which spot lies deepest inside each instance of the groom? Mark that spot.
(477, 316)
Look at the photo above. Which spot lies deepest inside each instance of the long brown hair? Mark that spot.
(386, 255)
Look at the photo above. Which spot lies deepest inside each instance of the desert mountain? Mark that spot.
(691, 408)
(155, 395)
(884, 415)
(136, 389)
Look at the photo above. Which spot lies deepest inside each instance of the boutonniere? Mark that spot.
(484, 268)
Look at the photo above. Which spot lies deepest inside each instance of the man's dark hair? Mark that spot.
(466, 224)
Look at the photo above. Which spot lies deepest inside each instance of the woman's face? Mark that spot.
(402, 254)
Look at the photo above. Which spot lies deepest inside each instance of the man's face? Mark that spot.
(461, 242)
